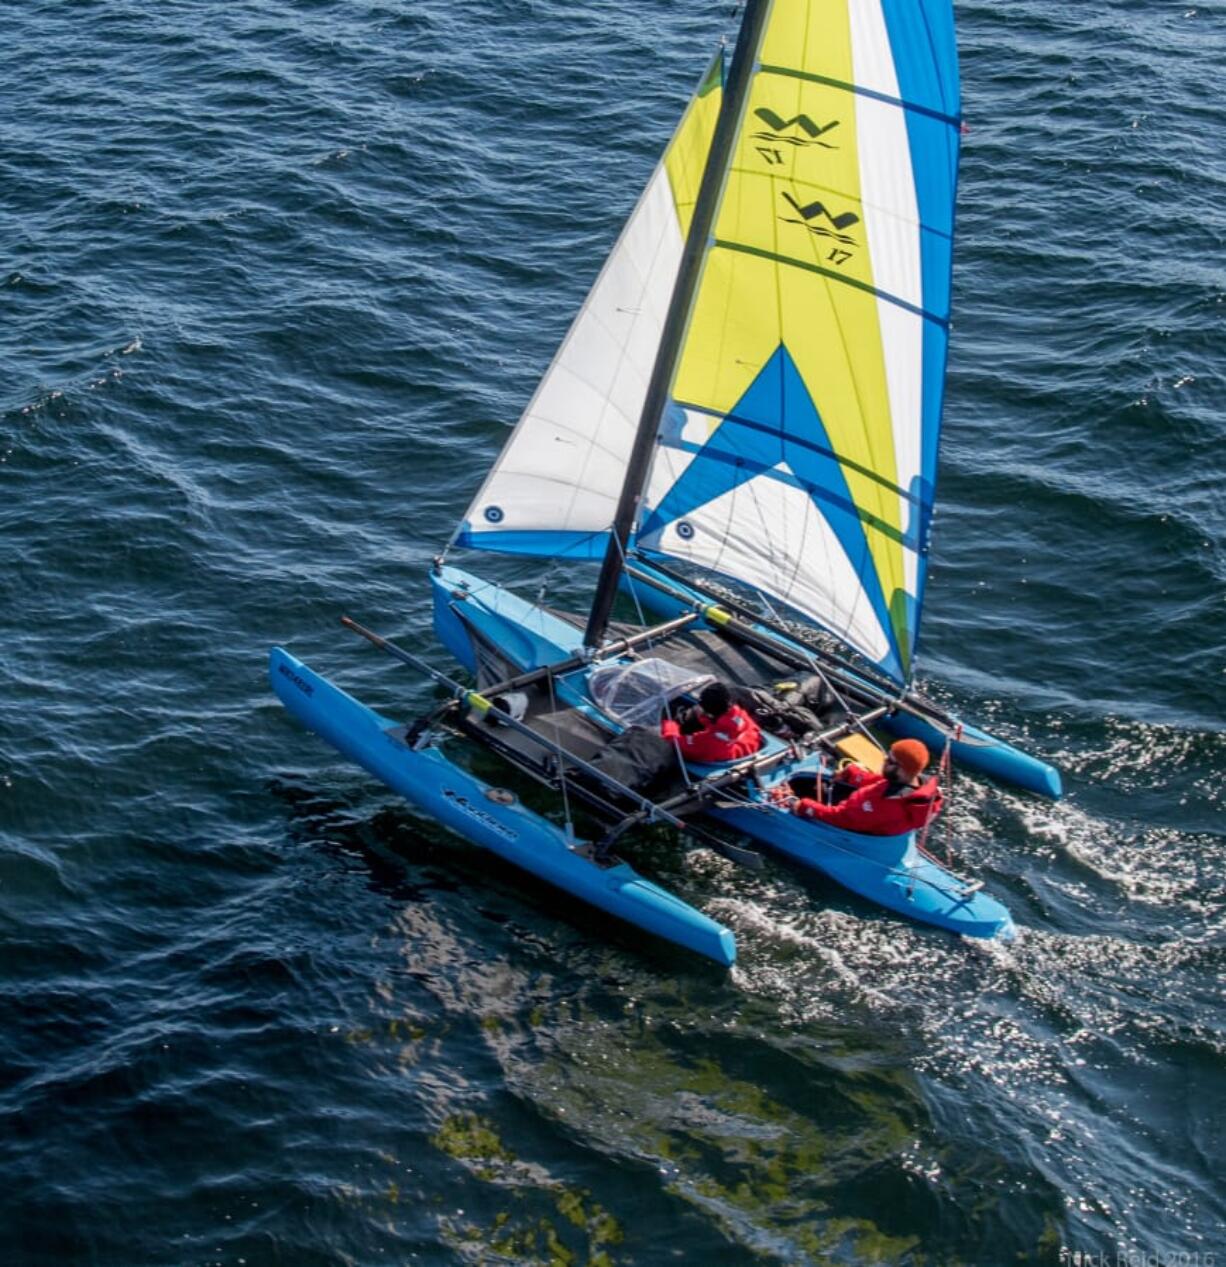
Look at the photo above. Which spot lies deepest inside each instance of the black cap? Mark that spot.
(715, 700)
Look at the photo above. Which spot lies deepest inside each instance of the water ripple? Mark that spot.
(278, 278)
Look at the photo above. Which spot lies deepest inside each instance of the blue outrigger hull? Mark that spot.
(460, 801)
(889, 870)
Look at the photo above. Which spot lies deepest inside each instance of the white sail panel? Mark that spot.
(555, 487)
(892, 226)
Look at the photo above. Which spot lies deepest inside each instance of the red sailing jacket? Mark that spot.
(869, 810)
(733, 735)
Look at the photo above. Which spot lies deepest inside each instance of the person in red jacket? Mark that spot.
(727, 731)
(897, 800)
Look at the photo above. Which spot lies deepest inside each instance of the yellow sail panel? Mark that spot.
(794, 197)
(814, 35)
(686, 156)
(790, 217)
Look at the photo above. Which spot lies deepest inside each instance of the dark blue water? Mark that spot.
(275, 278)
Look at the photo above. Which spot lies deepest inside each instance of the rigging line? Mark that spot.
(840, 699)
(529, 566)
(930, 815)
(545, 580)
(789, 630)
(706, 575)
(634, 593)
(816, 668)
(945, 773)
(772, 612)
(514, 574)
(557, 739)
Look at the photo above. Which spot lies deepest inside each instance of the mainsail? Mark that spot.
(556, 483)
(801, 441)
(797, 451)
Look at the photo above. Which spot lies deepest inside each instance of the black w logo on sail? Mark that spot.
(779, 125)
(813, 210)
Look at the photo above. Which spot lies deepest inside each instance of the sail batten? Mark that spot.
(841, 278)
(788, 72)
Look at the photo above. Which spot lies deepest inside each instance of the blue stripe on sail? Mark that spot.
(925, 54)
(775, 422)
(684, 407)
(918, 516)
(549, 545)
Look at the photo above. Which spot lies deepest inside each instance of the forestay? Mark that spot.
(554, 488)
(799, 451)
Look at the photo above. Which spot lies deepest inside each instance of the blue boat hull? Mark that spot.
(888, 870)
(458, 800)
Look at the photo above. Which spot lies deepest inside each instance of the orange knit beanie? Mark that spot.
(910, 756)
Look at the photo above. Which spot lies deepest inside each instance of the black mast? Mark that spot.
(678, 314)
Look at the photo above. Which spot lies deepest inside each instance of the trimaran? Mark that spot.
(741, 426)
